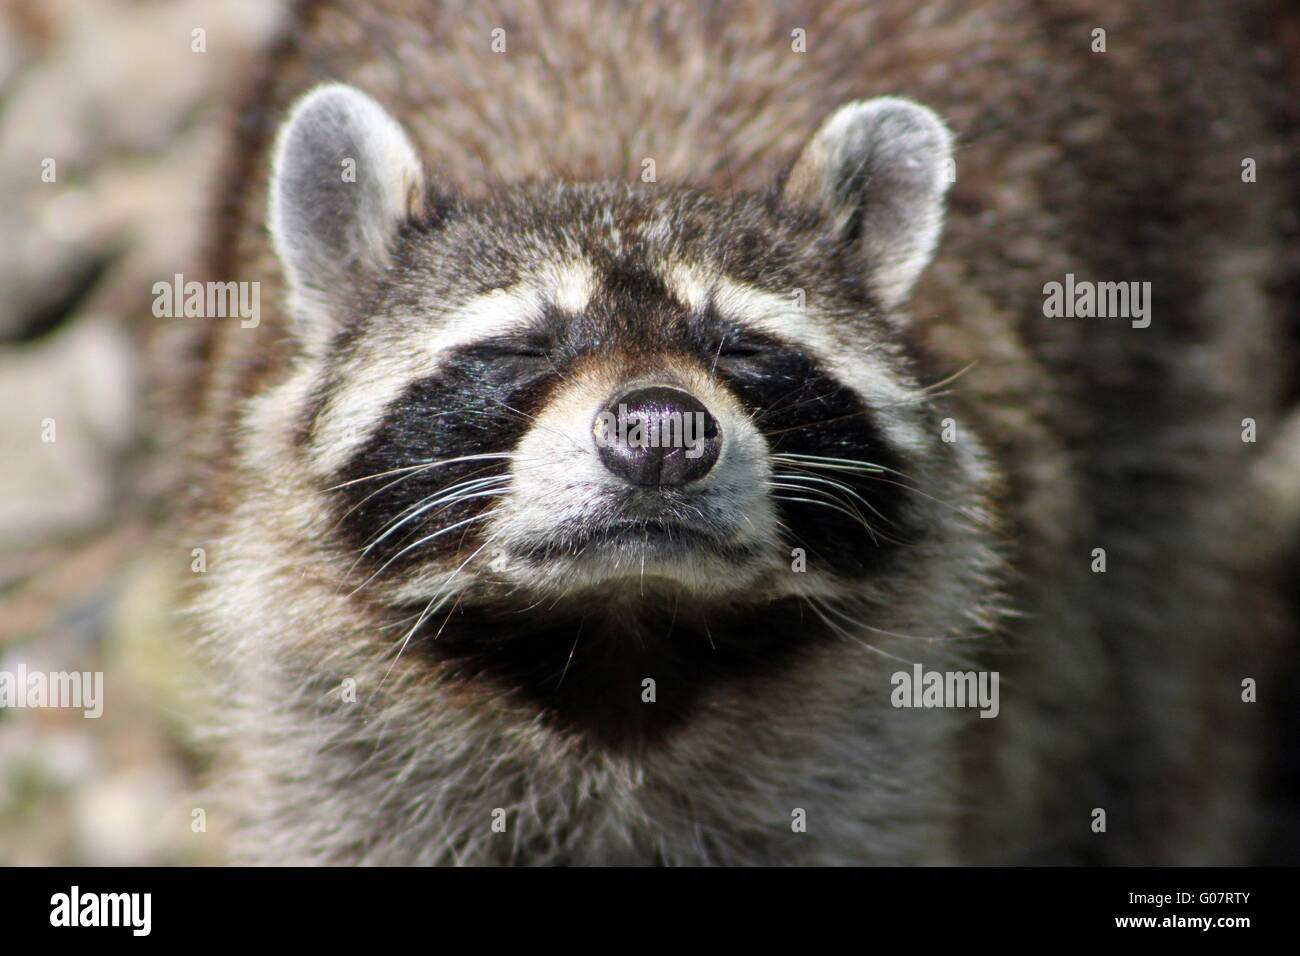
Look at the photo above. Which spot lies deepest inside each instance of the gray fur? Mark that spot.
(344, 177)
(880, 167)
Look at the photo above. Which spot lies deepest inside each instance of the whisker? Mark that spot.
(453, 496)
(421, 464)
(817, 609)
(872, 471)
(838, 464)
(412, 470)
(840, 613)
(441, 596)
(427, 538)
(785, 476)
(826, 504)
(950, 379)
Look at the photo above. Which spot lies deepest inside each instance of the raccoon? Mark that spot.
(456, 619)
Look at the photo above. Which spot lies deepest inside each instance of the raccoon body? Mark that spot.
(455, 626)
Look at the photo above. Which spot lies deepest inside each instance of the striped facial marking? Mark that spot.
(484, 432)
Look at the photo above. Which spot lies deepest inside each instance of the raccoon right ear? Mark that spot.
(878, 170)
(344, 176)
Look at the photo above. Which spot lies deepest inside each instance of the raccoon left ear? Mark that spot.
(878, 171)
(344, 176)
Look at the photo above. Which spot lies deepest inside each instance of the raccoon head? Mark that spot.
(591, 430)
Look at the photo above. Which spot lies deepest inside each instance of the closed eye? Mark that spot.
(507, 349)
(737, 343)
(740, 351)
(737, 350)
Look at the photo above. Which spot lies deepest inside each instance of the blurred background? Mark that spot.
(127, 101)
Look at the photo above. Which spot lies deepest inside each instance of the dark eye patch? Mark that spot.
(803, 410)
(481, 402)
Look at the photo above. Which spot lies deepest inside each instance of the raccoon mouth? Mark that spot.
(659, 531)
(656, 538)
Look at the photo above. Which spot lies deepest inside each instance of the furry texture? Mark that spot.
(1120, 690)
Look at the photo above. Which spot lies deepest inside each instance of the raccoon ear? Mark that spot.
(344, 176)
(878, 170)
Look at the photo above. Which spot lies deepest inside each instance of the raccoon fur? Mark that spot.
(447, 627)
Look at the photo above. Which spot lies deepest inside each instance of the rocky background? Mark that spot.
(111, 118)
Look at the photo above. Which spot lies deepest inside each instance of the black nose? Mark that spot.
(657, 436)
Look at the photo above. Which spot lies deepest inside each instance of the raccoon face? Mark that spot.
(635, 411)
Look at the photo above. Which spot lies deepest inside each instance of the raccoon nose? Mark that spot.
(657, 436)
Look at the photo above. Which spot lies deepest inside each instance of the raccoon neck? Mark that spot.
(621, 674)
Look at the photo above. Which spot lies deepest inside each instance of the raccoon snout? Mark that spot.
(657, 435)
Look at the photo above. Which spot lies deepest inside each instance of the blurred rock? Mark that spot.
(69, 410)
(119, 87)
(129, 113)
(131, 817)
